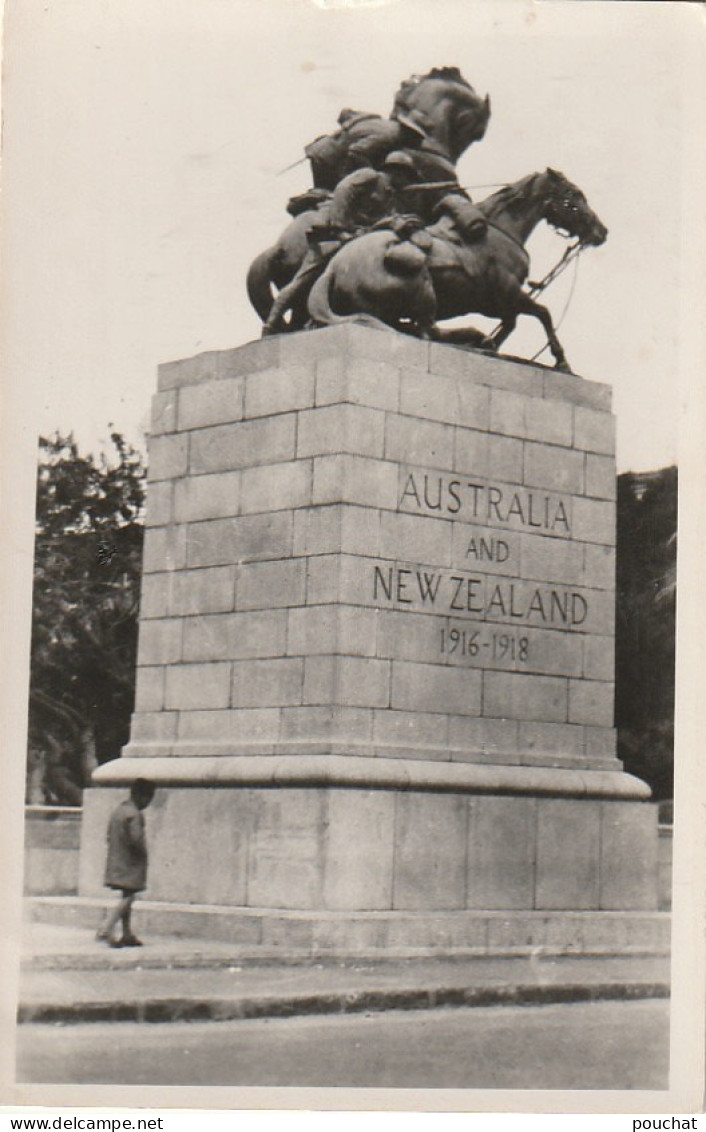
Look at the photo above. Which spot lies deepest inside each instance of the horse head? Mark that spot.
(565, 207)
(446, 107)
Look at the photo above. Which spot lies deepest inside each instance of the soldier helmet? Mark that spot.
(399, 159)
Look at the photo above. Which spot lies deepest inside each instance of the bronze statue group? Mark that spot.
(387, 236)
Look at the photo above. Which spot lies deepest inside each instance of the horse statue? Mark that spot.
(435, 117)
(438, 273)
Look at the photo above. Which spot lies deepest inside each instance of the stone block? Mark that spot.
(552, 739)
(429, 858)
(268, 585)
(349, 681)
(149, 688)
(600, 618)
(471, 449)
(159, 642)
(153, 726)
(267, 683)
(167, 457)
(501, 852)
(415, 441)
(164, 548)
(203, 591)
(347, 630)
(415, 538)
(549, 653)
(600, 742)
(406, 636)
(505, 458)
(318, 530)
(207, 497)
(398, 349)
(194, 686)
(244, 444)
(219, 365)
(599, 566)
(430, 688)
(549, 421)
(577, 391)
(359, 849)
(507, 413)
(277, 487)
(189, 371)
(332, 723)
(473, 739)
(498, 552)
(215, 822)
(235, 726)
(599, 658)
(164, 413)
(548, 559)
(361, 381)
(354, 479)
(285, 867)
(323, 580)
(594, 431)
(159, 504)
(247, 538)
(155, 595)
(591, 702)
(558, 469)
(408, 730)
(628, 855)
(525, 697)
(350, 429)
(594, 521)
(436, 397)
(215, 403)
(280, 390)
(568, 853)
(235, 636)
(601, 480)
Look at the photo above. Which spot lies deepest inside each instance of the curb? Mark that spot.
(226, 1009)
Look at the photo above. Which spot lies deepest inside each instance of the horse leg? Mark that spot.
(495, 340)
(527, 305)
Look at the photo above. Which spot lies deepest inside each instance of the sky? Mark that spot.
(144, 142)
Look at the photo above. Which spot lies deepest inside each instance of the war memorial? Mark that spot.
(376, 656)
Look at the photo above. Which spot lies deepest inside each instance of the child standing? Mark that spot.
(126, 866)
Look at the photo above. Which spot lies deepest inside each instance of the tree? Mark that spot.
(645, 626)
(88, 553)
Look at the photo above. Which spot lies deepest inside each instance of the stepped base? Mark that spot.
(280, 933)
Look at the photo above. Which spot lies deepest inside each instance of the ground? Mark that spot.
(596, 1045)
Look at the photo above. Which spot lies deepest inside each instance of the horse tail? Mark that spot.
(259, 284)
(322, 313)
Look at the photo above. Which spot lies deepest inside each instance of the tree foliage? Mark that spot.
(88, 552)
(645, 626)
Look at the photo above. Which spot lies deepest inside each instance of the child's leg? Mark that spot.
(126, 903)
(113, 915)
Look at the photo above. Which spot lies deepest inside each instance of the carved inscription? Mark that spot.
(485, 597)
(480, 610)
(486, 503)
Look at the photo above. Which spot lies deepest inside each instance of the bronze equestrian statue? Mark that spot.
(438, 273)
(435, 118)
(386, 235)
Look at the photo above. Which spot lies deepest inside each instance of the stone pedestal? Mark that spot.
(377, 636)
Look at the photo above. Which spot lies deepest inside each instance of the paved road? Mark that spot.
(600, 1045)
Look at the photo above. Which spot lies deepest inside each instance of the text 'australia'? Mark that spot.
(493, 504)
(486, 598)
